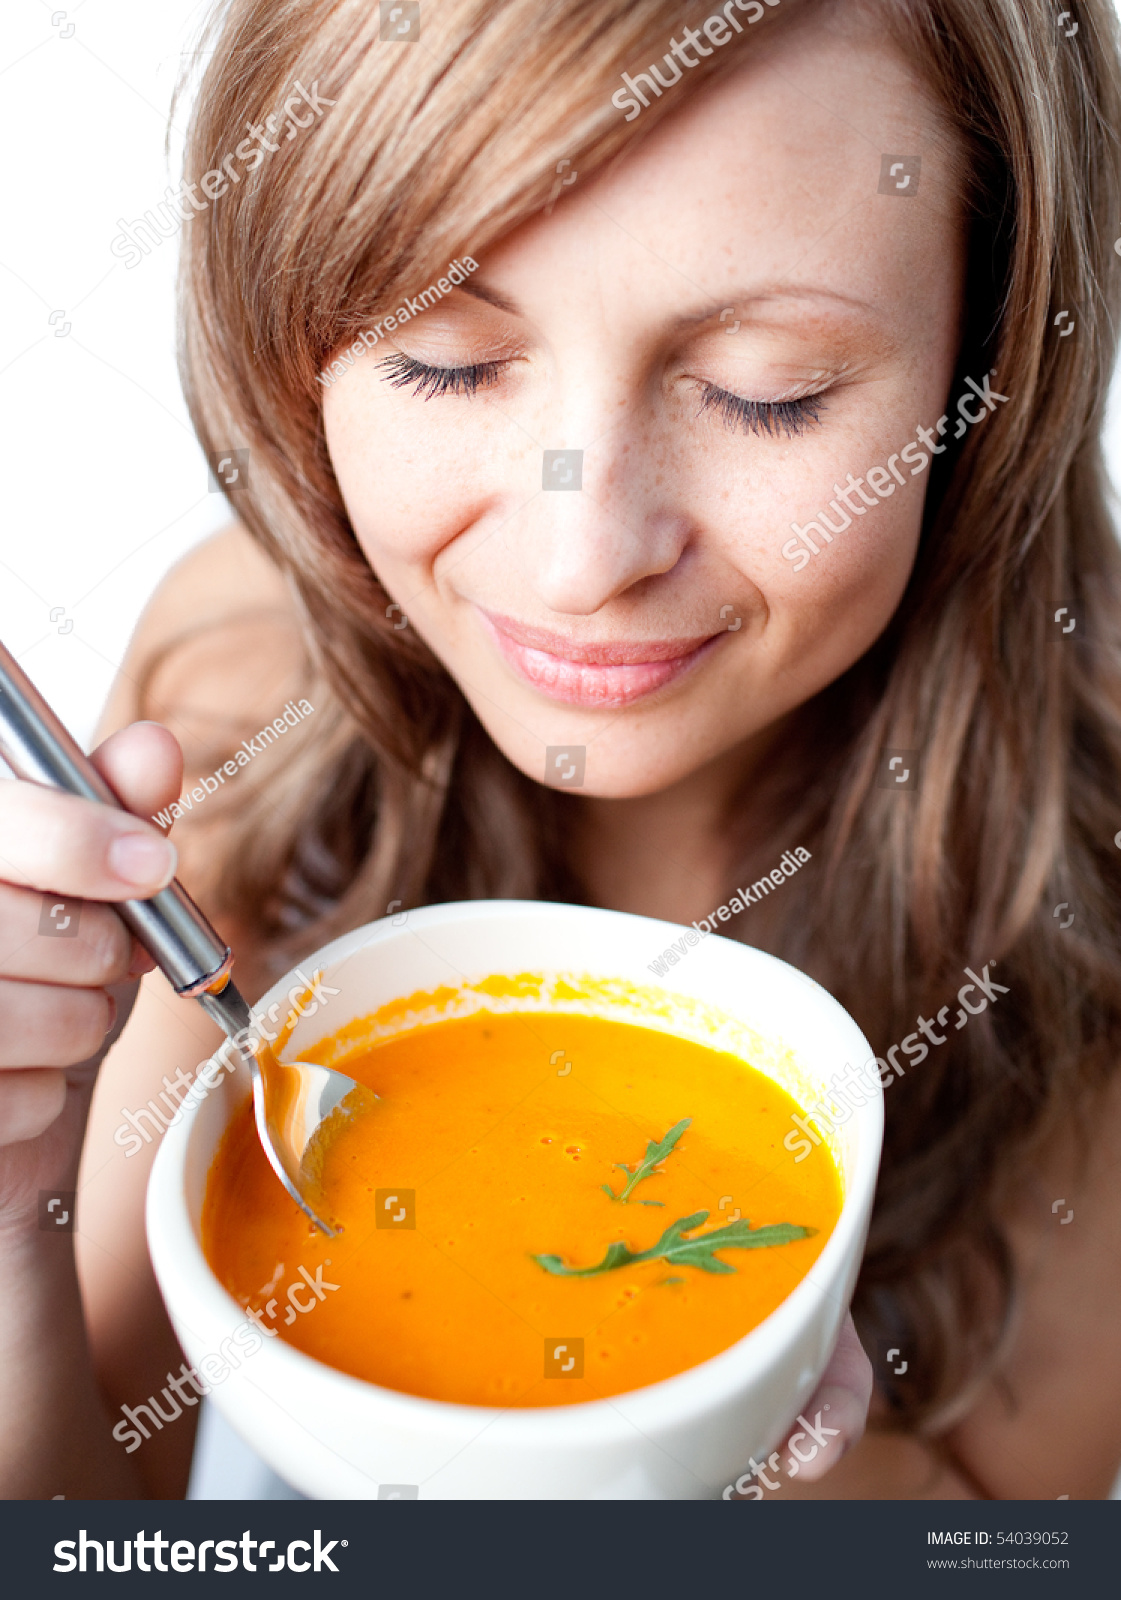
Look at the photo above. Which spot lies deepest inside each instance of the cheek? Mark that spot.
(828, 503)
(409, 484)
(825, 615)
(819, 614)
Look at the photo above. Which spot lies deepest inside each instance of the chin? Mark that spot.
(628, 789)
(622, 770)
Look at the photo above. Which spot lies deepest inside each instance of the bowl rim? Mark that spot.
(177, 1251)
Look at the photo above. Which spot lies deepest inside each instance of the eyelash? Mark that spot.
(430, 381)
(771, 417)
(789, 417)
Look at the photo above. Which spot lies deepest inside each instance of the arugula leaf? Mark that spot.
(679, 1251)
(655, 1151)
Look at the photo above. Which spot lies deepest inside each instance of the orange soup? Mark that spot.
(494, 1201)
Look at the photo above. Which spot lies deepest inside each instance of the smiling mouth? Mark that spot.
(603, 675)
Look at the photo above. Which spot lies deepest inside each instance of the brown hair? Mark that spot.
(433, 153)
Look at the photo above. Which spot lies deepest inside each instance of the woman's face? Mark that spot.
(718, 333)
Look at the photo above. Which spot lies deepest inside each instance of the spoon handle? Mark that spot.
(195, 961)
(170, 926)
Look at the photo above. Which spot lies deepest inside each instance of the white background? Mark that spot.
(104, 486)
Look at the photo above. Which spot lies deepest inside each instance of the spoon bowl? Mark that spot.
(292, 1102)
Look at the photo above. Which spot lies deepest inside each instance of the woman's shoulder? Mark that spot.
(215, 635)
(219, 658)
(228, 567)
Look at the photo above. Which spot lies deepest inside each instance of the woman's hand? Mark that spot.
(54, 979)
(837, 1412)
(60, 857)
(826, 1428)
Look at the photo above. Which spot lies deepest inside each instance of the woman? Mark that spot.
(809, 310)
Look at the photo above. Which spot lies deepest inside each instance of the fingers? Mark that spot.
(849, 1366)
(78, 848)
(54, 841)
(837, 1412)
(143, 765)
(81, 943)
(56, 960)
(46, 1025)
(29, 1103)
(141, 962)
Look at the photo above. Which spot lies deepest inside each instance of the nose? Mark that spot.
(581, 546)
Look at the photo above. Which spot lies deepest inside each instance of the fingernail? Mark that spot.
(141, 962)
(143, 860)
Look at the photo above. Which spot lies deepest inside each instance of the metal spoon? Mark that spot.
(291, 1100)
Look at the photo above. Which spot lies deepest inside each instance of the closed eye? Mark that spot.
(788, 417)
(772, 417)
(402, 372)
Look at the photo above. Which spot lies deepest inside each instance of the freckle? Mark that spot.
(407, 1294)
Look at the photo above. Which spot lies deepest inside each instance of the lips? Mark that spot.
(607, 675)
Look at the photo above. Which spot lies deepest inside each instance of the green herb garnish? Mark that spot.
(683, 1252)
(655, 1152)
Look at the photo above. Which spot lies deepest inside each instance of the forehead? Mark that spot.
(772, 183)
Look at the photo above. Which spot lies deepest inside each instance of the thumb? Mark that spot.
(842, 1399)
(143, 765)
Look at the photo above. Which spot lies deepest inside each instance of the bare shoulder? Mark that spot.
(221, 624)
(219, 652)
(225, 570)
(885, 1466)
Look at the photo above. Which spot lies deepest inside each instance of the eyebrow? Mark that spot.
(743, 298)
(738, 298)
(492, 298)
